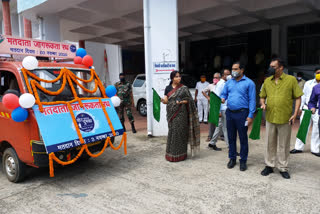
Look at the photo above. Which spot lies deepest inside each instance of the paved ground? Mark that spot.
(143, 182)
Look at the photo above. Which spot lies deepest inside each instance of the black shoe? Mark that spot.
(133, 128)
(267, 170)
(243, 166)
(232, 163)
(210, 145)
(214, 147)
(295, 151)
(205, 122)
(285, 175)
(316, 154)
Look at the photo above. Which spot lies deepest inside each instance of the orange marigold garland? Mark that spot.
(70, 77)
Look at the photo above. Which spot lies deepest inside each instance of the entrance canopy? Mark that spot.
(121, 22)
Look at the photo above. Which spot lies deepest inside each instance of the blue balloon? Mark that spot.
(111, 91)
(81, 52)
(19, 114)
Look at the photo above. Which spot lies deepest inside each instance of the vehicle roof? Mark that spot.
(18, 65)
(140, 75)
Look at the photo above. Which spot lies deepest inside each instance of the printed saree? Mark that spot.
(183, 124)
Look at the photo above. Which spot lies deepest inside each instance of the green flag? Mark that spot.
(156, 105)
(304, 126)
(215, 103)
(255, 131)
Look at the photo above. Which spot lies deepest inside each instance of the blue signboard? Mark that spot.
(59, 133)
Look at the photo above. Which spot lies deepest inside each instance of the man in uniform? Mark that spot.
(124, 92)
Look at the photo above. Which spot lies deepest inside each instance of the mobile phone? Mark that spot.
(246, 123)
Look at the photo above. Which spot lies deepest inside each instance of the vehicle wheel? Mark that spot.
(12, 166)
(142, 108)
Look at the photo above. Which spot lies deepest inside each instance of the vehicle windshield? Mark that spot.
(66, 94)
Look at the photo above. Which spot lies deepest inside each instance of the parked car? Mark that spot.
(139, 91)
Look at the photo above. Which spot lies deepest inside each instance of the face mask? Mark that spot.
(122, 79)
(235, 74)
(299, 78)
(229, 77)
(203, 79)
(318, 77)
(271, 71)
(215, 81)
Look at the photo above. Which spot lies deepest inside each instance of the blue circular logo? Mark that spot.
(85, 122)
(73, 48)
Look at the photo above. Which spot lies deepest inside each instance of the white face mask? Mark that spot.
(229, 77)
(235, 74)
(299, 78)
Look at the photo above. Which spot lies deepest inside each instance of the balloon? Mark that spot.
(19, 114)
(87, 61)
(115, 101)
(81, 52)
(10, 101)
(30, 63)
(77, 60)
(27, 100)
(111, 91)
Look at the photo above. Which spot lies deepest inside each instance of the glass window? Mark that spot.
(66, 94)
(139, 81)
(8, 81)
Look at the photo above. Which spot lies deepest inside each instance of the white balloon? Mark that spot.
(27, 100)
(30, 63)
(115, 101)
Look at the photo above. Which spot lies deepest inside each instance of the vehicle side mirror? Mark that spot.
(12, 91)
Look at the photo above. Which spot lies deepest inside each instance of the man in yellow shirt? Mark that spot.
(280, 90)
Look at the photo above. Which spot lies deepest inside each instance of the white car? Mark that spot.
(139, 91)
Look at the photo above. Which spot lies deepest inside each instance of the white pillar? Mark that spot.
(15, 25)
(161, 55)
(21, 27)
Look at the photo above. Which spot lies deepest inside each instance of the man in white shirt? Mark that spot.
(222, 120)
(201, 100)
(315, 140)
(211, 88)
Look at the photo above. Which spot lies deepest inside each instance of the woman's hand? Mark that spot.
(182, 102)
(164, 100)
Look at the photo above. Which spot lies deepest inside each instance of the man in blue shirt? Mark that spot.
(240, 92)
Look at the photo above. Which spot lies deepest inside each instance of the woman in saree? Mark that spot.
(183, 121)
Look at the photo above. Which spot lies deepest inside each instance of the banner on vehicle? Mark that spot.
(33, 47)
(59, 133)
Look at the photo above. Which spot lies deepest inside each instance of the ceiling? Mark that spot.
(121, 21)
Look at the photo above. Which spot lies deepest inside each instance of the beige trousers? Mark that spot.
(278, 145)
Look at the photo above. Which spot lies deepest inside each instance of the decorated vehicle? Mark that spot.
(50, 111)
